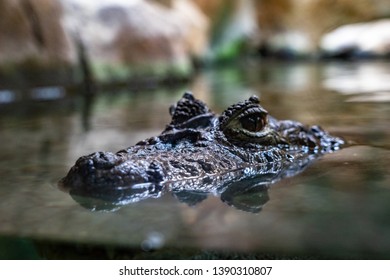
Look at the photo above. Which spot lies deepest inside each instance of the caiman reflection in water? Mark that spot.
(236, 156)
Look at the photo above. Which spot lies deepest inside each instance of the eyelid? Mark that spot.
(253, 111)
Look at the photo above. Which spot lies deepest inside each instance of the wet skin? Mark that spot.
(198, 145)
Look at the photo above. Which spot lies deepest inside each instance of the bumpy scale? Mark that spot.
(198, 149)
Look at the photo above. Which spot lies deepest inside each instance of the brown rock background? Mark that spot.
(164, 37)
(32, 30)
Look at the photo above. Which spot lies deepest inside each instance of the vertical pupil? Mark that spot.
(253, 122)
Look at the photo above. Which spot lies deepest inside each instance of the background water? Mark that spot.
(338, 207)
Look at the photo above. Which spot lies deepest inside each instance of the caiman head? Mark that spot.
(183, 147)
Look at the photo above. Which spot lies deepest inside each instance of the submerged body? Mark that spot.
(199, 146)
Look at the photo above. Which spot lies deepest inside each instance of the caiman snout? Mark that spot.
(87, 170)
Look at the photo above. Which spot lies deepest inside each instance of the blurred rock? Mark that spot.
(121, 38)
(32, 38)
(294, 28)
(130, 38)
(371, 39)
(40, 39)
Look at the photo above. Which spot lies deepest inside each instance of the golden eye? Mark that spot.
(253, 122)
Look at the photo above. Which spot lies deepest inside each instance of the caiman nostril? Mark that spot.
(104, 160)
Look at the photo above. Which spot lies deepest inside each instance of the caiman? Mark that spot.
(199, 151)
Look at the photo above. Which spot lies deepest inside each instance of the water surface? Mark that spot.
(337, 207)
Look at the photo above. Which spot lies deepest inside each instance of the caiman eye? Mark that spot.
(253, 122)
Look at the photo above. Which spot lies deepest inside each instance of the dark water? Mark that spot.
(339, 206)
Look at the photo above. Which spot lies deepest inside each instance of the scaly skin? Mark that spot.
(199, 147)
